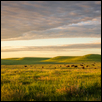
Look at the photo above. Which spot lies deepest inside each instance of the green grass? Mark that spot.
(75, 59)
(54, 82)
(22, 61)
(34, 83)
(56, 60)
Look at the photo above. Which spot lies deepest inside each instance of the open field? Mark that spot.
(51, 82)
(51, 50)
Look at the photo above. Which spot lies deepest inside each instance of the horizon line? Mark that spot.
(44, 57)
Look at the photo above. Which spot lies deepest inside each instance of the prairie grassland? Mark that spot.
(53, 82)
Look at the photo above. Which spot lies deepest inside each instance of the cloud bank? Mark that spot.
(70, 47)
(22, 20)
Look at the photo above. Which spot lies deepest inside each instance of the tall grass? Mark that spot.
(34, 83)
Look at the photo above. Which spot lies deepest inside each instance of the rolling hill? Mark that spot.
(21, 61)
(74, 59)
(58, 59)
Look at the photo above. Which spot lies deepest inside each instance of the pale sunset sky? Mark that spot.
(50, 28)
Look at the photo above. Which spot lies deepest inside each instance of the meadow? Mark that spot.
(52, 82)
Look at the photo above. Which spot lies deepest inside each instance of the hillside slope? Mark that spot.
(21, 61)
(73, 59)
(58, 59)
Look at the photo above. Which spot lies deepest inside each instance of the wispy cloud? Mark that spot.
(44, 19)
(70, 47)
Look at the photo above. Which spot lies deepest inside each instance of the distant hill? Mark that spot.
(74, 59)
(21, 61)
(58, 59)
(27, 58)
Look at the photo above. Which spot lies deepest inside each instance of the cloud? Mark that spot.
(43, 19)
(70, 47)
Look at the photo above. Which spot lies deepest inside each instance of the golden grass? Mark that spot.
(18, 81)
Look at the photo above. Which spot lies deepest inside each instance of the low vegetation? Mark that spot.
(56, 60)
(51, 82)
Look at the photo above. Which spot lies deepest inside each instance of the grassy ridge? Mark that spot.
(22, 61)
(86, 58)
(27, 58)
(58, 59)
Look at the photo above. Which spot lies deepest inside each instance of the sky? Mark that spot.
(50, 28)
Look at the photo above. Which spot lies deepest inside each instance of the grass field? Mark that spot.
(56, 60)
(52, 82)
